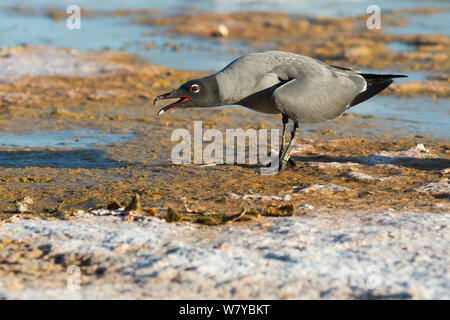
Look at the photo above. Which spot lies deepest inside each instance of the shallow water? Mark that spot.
(78, 138)
(419, 116)
(310, 7)
(424, 24)
(399, 46)
(119, 33)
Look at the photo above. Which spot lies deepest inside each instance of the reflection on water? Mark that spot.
(72, 159)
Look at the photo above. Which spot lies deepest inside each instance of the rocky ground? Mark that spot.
(337, 255)
(362, 215)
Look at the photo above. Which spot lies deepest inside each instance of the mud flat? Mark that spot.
(119, 148)
(372, 209)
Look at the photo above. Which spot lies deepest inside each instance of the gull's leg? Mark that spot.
(285, 121)
(284, 159)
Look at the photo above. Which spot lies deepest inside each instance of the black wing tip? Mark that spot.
(382, 76)
(398, 76)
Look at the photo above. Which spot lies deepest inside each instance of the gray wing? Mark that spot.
(314, 91)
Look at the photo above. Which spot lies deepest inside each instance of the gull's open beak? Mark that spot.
(170, 95)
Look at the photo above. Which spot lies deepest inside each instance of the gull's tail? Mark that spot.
(375, 84)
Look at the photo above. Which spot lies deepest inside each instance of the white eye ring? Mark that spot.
(194, 88)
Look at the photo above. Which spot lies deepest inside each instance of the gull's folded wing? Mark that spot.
(315, 92)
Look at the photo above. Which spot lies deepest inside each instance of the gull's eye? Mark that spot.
(194, 88)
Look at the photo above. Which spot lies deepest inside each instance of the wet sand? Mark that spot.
(119, 103)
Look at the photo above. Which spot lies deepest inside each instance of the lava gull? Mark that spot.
(298, 87)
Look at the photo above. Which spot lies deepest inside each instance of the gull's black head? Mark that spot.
(196, 93)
